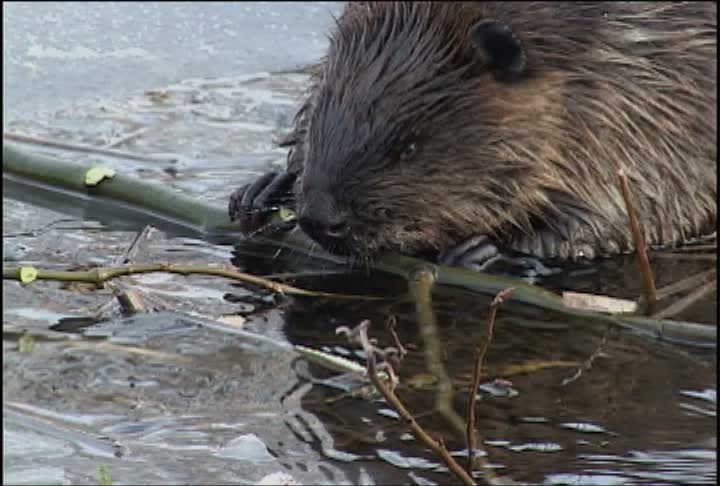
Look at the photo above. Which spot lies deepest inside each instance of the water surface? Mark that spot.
(172, 397)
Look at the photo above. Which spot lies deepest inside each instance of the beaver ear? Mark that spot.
(500, 49)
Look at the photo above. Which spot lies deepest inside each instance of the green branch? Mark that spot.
(166, 202)
(103, 274)
(169, 205)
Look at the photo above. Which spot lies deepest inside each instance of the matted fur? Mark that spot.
(532, 162)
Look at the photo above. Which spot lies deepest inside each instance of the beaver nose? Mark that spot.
(330, 230)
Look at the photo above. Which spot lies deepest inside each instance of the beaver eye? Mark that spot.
(409, 151)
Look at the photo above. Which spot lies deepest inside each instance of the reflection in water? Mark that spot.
(630, 401)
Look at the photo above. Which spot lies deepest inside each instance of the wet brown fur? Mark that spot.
(532, 162)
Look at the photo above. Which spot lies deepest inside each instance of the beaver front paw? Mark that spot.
(578, 246)
(479, 253)
(252, 204)
(475, 253)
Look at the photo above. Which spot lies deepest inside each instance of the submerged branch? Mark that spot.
(686, 284)
(689, 332)
(682, 304)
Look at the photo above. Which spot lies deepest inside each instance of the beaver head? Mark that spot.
(393, 129)
(430, 122)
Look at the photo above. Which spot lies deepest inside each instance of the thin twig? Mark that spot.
(685, 284)
(708, 257)
(133, 350)
(37, 231)
(437, 446)
(588, 362)
(640, 245)
(694, 248)
(46, 142)
(391, 324)
(131, 300)
(31, 417)
(136, 245)
(99, 275)
(682, 304)
(127, 137)
(480, 350)
(306, 274)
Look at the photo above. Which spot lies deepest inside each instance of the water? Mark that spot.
(174, 397)
(58, 53)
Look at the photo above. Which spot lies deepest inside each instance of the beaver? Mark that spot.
(440, 126)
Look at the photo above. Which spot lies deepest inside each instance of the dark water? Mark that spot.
(175, 397)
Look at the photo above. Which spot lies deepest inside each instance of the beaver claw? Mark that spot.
(252, 205)
(475, 253)
(480, 254)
